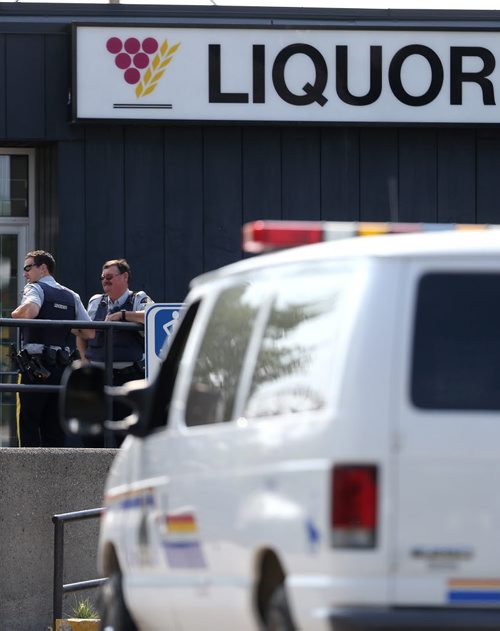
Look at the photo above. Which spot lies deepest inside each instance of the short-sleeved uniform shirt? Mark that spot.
(32, 292)
(140, 303)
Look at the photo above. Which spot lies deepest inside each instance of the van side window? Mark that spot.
(456, 344)
(218, 364)
(293, 367)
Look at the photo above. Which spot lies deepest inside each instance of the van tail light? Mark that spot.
(354, 506)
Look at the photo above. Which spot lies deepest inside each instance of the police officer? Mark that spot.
(45, 349)
(118, 303)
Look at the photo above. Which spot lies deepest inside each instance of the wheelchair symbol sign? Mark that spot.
(160, 321)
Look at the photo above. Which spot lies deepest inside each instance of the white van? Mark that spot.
(320, 449)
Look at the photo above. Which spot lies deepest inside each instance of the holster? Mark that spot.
(32, 367)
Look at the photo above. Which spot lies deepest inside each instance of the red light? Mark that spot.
(262, 236)
(354, 506)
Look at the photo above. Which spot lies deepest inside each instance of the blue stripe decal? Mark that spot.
(474, 596)
(137, 502)
(184, 554)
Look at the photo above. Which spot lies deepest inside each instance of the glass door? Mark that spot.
(16, 238)
(13, 246)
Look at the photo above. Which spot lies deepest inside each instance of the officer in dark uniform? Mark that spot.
(120, 304)
(46, 350)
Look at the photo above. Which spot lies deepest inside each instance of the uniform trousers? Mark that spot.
(38, 423)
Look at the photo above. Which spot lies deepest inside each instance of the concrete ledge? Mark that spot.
(36, 484)
(76, 624)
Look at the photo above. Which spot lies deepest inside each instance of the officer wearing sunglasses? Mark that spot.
(47, 348)
(120, 304)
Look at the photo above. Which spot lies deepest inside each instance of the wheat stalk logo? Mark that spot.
(156, 69)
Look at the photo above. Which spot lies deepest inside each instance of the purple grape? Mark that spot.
(141, 60)
(132, 76)
(150, 45)
(132, 45)
(114, 45)
(123, 61)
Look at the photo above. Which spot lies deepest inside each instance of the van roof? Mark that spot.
(450, 243)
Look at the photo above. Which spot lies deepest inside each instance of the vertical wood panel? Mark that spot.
(183, 210)
(340, 174)
(144, 207)
(378, 175)
(3, 89)
(417, 175)
(47, 211)
(222, 196)
(488, 176)
(73, 259)
(104, 186)
(301, 173)
(261, 173)
(25, 87)
(57, 88)
(456, 176)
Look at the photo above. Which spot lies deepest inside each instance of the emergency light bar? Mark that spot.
(264, 236)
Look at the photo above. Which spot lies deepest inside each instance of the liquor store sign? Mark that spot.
(338, 75)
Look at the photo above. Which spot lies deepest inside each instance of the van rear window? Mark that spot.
(456, 346)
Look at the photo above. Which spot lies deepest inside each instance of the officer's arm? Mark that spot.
(81, 345)
(27, 311)
(83, 334)
(130, 316)
(81, 314)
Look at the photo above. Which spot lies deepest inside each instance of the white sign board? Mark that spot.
(277, 74)
(159, 322)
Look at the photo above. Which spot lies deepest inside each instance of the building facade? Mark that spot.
(271, 113)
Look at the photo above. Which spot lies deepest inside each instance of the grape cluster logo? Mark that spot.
(143, 63)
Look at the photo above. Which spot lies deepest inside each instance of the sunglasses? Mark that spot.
(27, 268)
(110, 276)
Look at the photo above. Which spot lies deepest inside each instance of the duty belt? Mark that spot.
(37, 349)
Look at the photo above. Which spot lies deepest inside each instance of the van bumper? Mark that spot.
(414, 619)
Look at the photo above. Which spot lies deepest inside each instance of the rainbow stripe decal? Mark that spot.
(181, 544)
(477, 591)
(184, 523)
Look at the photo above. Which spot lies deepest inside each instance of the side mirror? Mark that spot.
(83, 403)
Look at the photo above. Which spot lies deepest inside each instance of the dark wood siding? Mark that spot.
(173, 199)
(488, 180)
(456, 185)
(25, 87)
(183, 227)
(340, 174)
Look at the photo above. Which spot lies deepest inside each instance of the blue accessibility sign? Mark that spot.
(160, 322)
(165, 320)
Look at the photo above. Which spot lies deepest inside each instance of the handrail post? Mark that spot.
(108, 333)
(58, 567)
(59, 588)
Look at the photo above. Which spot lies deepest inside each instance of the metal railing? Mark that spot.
(59, 587)
(106, 327)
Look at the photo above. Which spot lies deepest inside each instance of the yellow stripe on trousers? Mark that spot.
(18, 413)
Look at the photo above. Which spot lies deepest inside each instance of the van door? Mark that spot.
(447, 455)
